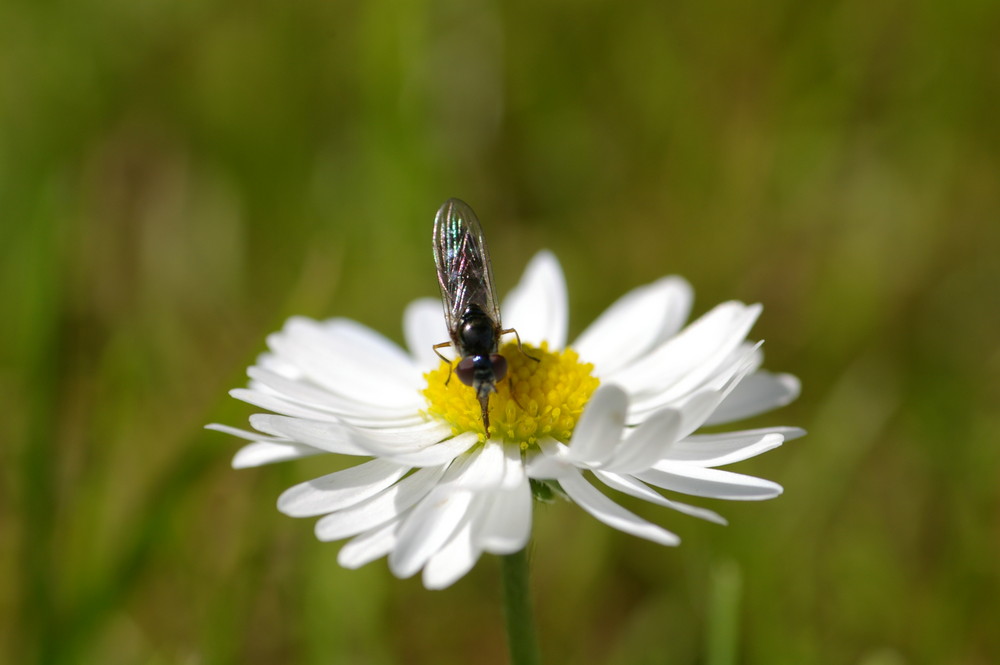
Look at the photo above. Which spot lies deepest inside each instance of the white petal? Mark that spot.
(439, 453)
(319, 398)
(551, 462)
(498, 522)
(457, 557)
(427, 528)
(639, 490)
(514, 473)
(280, 366)
(350, 360)
(686, 396)
(600, 426)
(757, 393)
(337, 437)
(267, 452)
(332, 437)
(636, 323)
(340, 489)
(506, 525)
(720, 450)
(279, 405)
(742, 361)
(693, 409)
(680, 364)
(698, 406)
(244, 434)
(381, 355)
(697, 409)
(410, 436)
(713, 483)
(484, 468)
(609, 512)
(648, 442)
(368, 546)
(423, 327)
(537, 308)
(787, 433)
(388, 505)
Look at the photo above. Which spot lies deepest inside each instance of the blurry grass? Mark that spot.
(177, 178)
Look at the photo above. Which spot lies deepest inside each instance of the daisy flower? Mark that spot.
(616, 409)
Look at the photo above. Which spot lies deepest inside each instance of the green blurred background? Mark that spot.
(177, 177)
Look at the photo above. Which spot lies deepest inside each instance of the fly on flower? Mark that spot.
(471, 312)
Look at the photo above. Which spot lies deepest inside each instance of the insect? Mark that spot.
(470, 304)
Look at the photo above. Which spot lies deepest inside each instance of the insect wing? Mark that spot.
(463, 264)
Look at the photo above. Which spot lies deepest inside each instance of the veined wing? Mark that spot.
(463, 264)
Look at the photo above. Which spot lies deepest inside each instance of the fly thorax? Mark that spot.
(477, 335)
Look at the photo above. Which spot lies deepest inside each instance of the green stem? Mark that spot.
(521, 638)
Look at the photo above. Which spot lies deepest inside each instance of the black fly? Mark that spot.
(471, 311)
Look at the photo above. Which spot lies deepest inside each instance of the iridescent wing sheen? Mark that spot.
(463, 265)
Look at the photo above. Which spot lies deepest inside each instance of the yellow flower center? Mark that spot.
(535, 400)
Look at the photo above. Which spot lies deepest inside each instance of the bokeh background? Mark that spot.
(176, 178)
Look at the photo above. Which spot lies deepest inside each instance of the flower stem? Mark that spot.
(521, 638)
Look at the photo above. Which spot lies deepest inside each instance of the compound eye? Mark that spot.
(499, 366)
(465, 370)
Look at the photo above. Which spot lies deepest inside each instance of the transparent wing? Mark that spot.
(463, 264)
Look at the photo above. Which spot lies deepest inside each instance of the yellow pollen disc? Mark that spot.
(534, 400)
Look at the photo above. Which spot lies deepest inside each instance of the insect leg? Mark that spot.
(519, 347)
(441, 346)
(513, 393)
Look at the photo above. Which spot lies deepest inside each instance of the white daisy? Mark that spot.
(619, 406)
